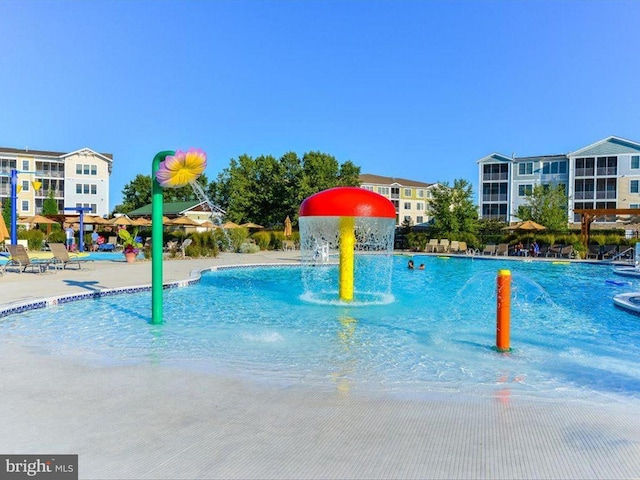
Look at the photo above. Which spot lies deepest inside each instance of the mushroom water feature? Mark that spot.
(351, 220)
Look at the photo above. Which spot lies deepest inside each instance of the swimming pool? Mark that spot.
(435, 333)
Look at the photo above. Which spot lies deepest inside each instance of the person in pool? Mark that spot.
(421, 267)
(410, 266)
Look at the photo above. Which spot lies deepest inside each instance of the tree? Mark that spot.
(137, 193)
(547, 205)
(453, 209)
(6, 212)
(50, 205)
(266, 190)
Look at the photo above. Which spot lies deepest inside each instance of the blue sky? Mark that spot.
(413, 89)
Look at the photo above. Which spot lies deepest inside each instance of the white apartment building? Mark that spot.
(409, 197)
(77, 179)
(605, 174)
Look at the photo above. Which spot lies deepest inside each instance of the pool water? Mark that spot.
(435, 332)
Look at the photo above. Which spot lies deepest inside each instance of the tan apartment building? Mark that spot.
(409, 197)
(77, 179)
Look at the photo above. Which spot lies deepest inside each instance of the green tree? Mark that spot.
(452, 209)
(137, 193)
(6, 213)
(50, 205)
(266, 190)
(547, 205)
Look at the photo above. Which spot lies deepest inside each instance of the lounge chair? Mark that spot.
(62, 257)
(454, 247)
(567, 252)
(554, 251)
(489, 249)
(288, 245)
(502, 249)
(432, 246)
(20, 258)
(443, 246)
(462, 248)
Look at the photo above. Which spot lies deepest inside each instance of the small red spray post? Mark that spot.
(503, 315)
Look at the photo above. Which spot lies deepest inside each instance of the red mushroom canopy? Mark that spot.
(347, 202)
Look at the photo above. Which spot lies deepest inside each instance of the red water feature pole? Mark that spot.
(503, 315)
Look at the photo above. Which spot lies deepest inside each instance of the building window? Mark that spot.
(78, 169)
(86, 169)
(407, 205)
(25, 185)
(94, 189)
(554, 167)
(634, 205)
(25, 205)
(85, 188)
(407, 192)
(525, 168)
(383, 190)
(525, 190)
(368, 187)
(419, 206)
(585, 167)
(407, 218)
(635, 161)
(395, 192)
(420, 193)
(633, 186)
(495, 171)
(607, 166)
(419, 219)
(94, 170)
(25, 164)
(79, 188)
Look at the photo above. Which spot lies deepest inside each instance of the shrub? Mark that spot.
(248, 247)
(237, 236)
(262, 239)
(34, 238)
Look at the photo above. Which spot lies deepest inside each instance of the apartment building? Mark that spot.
(605, 174)
(77, 179)
(409, 197)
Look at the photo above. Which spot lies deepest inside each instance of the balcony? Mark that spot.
(495, 176)
(498, 197)
(584, 172)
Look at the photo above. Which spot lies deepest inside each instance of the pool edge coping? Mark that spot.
(194, 277)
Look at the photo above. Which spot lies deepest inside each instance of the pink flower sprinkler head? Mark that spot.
(182, 168)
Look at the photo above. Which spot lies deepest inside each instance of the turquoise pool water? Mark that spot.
(435, 332)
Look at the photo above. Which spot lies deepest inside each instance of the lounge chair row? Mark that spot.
(21, 260)
(445, 246)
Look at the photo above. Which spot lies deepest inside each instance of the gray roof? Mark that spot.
(380, 180)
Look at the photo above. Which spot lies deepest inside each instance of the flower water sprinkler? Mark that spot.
(349, 219)
(169, 170)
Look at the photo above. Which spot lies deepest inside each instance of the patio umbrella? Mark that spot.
(36, 219)
(141, 222)
(94, 220)
(207, 224)
(121, 220)
(184, 222)
(287, 227)
(251, 225)
(4, 232)
(227, 225)
(526, 226)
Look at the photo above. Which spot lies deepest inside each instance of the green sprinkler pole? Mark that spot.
(156, 240)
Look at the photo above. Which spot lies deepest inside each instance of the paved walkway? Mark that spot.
(154, 421)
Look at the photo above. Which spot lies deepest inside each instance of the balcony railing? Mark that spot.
(605, 194)
(494, 197)
(584, 172)
(495, 176)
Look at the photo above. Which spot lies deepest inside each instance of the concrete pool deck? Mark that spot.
(157, 421)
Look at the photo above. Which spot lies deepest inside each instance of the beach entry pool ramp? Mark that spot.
(348, 220)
